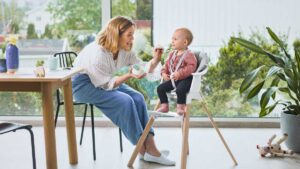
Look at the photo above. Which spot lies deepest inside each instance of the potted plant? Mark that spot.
(39, 63)
(284, 75)
(39, 71)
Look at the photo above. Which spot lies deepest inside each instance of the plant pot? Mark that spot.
(3, 65)
(290, 124)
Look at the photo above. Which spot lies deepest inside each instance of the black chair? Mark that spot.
(6, 127)
(66, 62)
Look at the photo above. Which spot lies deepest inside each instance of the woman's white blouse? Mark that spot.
(99, 65)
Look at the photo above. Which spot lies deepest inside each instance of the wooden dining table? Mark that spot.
(26, 81)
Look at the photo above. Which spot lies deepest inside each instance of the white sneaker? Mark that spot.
(160, 160)
(164, 152)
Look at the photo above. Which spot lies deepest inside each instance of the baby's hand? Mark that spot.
(166, 77)
(175, 76)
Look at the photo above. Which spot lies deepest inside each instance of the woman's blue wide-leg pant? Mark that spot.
(124, 106)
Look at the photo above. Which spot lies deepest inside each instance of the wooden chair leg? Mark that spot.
(219, 133)
(185, 146)
(182, 122)
(140, 142)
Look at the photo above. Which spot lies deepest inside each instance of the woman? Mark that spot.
(97, 84)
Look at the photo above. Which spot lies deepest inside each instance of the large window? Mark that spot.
(72, 24)
(44, 28)
(141, 12)
(213, 22)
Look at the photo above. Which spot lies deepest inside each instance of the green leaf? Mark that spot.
(263, 112)
(249, 45)
(273, 95)
(292, 107)
(271, 108)
(288, 73)
(284, 89)
(255, 90)
(276, 59)
(275, 83)
(249, 79)
(291, 84)
(281, 76)
(297, 59)
(288, 91)
(278, 41)
(296, 75)
(266, 96)
(286, 61)
(273, 70)
(297, 56)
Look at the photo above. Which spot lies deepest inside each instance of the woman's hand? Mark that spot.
(166, 77)
(157, 53)
(125, 77)
(139, 76)
(136, 76)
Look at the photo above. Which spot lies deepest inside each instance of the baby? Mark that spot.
(177, 71)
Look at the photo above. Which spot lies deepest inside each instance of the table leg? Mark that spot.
(49, 131)
(70, 122)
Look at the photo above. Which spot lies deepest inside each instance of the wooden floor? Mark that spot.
(206, 150)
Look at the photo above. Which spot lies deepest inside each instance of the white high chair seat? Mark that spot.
(195, 89)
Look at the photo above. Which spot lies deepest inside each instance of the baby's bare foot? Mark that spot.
(164, 108)
(180, 109)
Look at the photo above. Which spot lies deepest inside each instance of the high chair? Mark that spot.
(194, 94)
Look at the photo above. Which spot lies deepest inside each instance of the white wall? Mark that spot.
(214, 21)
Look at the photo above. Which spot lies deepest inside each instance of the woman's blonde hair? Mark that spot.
(109, 36)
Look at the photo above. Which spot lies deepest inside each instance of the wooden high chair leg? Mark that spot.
(219, 133)
(182, 127)
(140, 142)
(156, 105)
(185, 146)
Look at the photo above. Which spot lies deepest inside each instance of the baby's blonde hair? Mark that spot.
(109, 36)
(187, 33)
